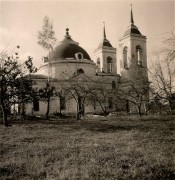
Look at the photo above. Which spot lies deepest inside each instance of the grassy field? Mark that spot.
(94, 148)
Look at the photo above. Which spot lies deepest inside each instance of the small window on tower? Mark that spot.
(139, 53)
(45, 59)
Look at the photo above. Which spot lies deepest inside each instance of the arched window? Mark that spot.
(98, 64)
(80, 71)
(139, 53)
(113, 85)
(109, 64)
(98, 60)
(125, 57)
(45, 59)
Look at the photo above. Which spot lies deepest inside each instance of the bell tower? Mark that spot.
(132, 50)
(105, 56)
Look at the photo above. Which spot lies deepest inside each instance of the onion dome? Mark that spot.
(132, 29)
(68, 49)
(105, 42)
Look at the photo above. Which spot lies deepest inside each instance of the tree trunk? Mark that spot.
(5, 121)
(170, 104)
(139, 110)
(60, 105)
(160, 108)
(48, 108)
(78, 116)
(82, 110)
(23, 109)
(60, 98)
(145, 108)
(4, 113)
(78, 111)
(105, 111)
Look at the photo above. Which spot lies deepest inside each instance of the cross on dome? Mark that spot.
(67, 31)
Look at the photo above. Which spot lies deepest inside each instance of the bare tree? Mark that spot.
(136, 90)
(24, 81)
(61, 92)
(102, 93)
(46, 39)
(169, 44)
(46, 93)
(162, 72)
(79, 88)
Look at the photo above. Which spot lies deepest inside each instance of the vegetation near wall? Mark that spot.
(15, 86)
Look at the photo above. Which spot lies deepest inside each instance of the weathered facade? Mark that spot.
(69, 63)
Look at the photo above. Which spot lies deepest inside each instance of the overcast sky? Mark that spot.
(20, 22)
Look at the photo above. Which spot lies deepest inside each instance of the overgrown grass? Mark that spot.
(98, 148)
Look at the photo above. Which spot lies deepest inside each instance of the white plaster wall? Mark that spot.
(103, 53)
(131, 42)
(112, 54)
(125, 42)
(66, 68)
(54, 107)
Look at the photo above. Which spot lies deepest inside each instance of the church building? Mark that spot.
(70, 62)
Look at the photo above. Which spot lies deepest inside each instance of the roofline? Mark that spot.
(105, 48)
(133, 35)
(84, 61)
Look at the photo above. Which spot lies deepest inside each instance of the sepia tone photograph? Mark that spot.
(87, 89)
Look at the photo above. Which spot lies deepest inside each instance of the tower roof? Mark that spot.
(132, 29)
(105, 42)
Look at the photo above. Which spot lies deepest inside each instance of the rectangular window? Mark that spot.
(45, 59)
(36, 105)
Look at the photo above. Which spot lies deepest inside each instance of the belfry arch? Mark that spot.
(125, 57)
(139, 55)
(109, 64)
